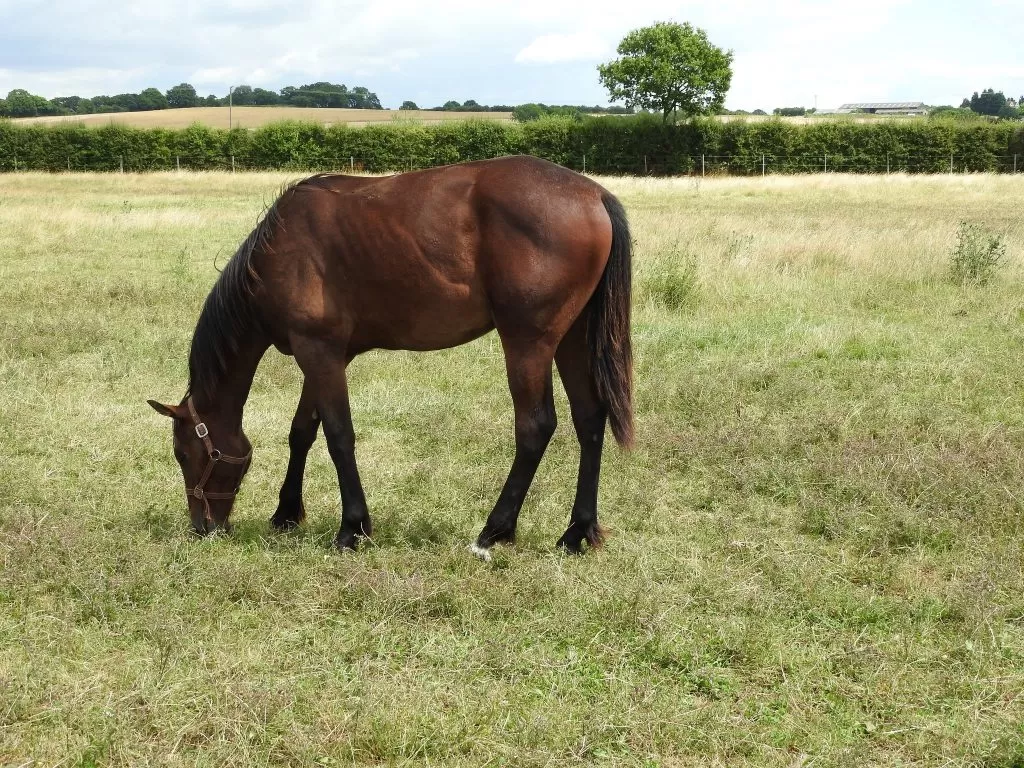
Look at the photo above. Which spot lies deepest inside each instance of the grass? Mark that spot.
(816, 553)
(255, 117)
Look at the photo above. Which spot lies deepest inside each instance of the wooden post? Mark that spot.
(69, 163)
(826, 163)
(177, 162)
(1015, 163)
(887, 162)
(764, 165)
(702, 166)
(122, 163)
(950, 162)
(584, 162)
(351, 164)
(232, 163)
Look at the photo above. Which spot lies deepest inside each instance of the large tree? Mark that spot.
(182, 95)
(670, 68)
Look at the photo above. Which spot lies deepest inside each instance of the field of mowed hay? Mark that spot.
(816, 549)
(254, 117)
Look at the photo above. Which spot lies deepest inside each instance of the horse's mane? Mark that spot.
(228, 314)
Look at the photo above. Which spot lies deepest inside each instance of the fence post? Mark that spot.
(702, 166)
(352, 165)
(951, 162)
(232, 163)
(15, 161)
(826, 163)
(177, 162)
(584, 162)
(1015, 163)
(69, 163)
(763, 166)
(645, 165)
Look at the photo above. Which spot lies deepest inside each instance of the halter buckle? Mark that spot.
(202, 431)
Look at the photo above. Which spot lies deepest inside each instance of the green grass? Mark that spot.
(816, 554)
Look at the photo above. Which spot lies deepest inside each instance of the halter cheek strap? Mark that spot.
(214, 457)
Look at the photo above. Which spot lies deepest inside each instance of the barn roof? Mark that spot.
(885, 105)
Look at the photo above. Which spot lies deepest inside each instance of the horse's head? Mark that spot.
(212, 477)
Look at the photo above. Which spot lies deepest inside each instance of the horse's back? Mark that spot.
(434, 258)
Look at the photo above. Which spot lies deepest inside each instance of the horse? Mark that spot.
(424, 260)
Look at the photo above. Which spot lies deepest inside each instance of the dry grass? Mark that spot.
(254, 117)
(816, 556)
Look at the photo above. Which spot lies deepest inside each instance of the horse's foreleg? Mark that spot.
(324, 367)
(305, 424)
(529, 379)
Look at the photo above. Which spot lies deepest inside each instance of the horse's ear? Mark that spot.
(163, 410)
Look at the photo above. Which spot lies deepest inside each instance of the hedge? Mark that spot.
(617, 145)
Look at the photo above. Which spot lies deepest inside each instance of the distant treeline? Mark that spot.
(21, 103)
(621, 145)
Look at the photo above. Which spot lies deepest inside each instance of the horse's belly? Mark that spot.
(424, 323)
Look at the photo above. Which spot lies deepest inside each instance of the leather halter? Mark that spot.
(214, 457)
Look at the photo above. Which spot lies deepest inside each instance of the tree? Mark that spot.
(668, 67)
(451, 106)
(151, 99)
(524, 113)
(263, 97)
(408, 105)
(789, 111)
(242, 95)
(988, 103)
(21, 103)
(183, 95)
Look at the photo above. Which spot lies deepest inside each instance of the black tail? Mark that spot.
(611, 352)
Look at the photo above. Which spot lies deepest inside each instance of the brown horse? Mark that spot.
(419, 261)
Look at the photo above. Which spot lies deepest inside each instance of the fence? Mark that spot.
(622, 164)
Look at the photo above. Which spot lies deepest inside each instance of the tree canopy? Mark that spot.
(669, 68)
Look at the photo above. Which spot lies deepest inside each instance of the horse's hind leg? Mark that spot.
(529, 379)
(305, 424)
(588, 417)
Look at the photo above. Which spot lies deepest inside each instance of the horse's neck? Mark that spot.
(233, 388)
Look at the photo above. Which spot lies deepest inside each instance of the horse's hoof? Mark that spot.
(346, 542)
(480, 552)
(283, 526)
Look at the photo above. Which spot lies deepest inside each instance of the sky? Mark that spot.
(787, 53)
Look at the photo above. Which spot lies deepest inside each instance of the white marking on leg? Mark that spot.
(483, 554)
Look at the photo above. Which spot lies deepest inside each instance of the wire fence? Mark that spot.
(654, 164)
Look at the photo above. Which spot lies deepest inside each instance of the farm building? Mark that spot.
(885, 108)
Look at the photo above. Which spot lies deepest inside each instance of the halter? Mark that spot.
(215, 456)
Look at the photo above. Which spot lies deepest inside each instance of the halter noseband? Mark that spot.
(215, 457)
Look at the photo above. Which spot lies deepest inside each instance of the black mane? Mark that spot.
(228, 314)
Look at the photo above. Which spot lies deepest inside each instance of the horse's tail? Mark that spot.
(611, 352)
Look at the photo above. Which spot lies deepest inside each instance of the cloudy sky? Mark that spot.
(786, 52)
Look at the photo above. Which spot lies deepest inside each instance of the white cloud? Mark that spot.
(550, 49)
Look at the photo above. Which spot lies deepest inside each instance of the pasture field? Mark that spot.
(255, 117)
(816, 550)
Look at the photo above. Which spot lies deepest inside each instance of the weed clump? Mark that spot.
(672, 280)
(977, 255)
